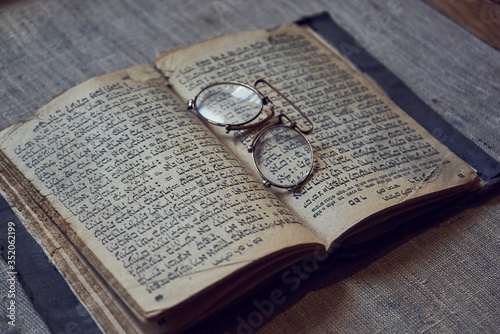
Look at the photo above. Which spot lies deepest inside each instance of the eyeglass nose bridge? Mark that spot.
(265, 101)
(294, 124)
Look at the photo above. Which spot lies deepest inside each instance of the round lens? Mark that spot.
(228, 104)
(283, 156)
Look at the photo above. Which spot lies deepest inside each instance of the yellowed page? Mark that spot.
(152, 200)
(370, 155)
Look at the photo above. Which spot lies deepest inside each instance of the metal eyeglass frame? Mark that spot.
(277, 122)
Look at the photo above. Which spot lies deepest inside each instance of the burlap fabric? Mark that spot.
(441, 277)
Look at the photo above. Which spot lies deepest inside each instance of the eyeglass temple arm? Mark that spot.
(291, 103)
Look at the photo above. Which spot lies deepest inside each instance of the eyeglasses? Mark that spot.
(282, 154)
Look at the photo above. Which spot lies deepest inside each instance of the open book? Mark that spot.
(158, 219)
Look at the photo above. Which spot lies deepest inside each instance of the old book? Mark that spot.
(158, 219)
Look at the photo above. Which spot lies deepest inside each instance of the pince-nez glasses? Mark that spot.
(282, 154)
